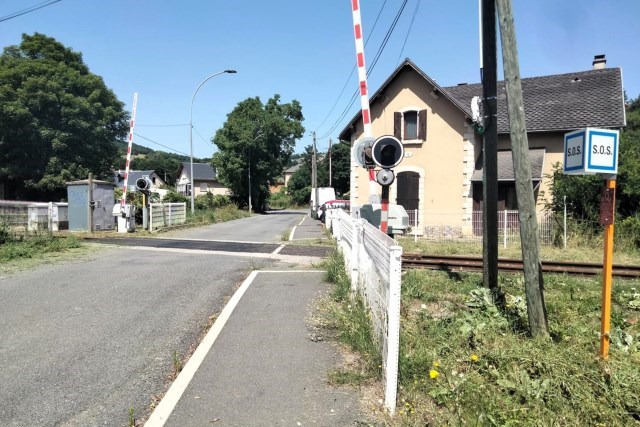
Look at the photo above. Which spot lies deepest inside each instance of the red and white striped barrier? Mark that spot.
(132, 122)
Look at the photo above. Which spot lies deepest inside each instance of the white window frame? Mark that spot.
(417, 111)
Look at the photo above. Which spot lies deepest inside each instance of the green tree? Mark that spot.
(166, 165)
(258, 139)
(299, 186)
(340, 168)
(58, 121)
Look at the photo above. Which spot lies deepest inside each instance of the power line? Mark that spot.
(163, 126)
(161, 145)
(371, 68)
(415, 12)
(28, 10)
(353, 69)
(203, 139)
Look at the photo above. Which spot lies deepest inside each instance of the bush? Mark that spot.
(174, 197)
(210, 201)
(281, 199)
(627, 231)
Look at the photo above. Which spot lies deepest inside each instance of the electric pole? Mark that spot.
(533, 280)
(329, 162)
(314, 179)
(490, 149)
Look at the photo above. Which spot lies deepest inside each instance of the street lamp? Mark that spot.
(193, 190)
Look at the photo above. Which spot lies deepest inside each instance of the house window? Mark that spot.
(410, 121)
(410, 125)
(203, 186)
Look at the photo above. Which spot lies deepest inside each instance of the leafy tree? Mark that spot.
(259, 139)
(299, 186)
(58, 121)
(340, 168)
(165, 164)
(300, 183)
(628, 192)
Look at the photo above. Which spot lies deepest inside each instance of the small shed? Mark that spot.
(80, 206)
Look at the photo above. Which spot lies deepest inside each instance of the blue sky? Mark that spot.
(305, 50)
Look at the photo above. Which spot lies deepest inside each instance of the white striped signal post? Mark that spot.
(132, 122)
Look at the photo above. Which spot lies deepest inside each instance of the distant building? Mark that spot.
(205, 180)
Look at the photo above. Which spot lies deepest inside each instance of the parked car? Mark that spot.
(333, 204)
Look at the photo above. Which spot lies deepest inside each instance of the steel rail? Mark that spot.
(465, 263)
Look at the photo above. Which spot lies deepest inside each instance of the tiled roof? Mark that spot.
(505, 165)
(551, 103)
(201, 171)
(559, 102)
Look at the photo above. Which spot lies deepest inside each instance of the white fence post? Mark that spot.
(393, 331)
(415, 227)
(356, 227)
(504, 227)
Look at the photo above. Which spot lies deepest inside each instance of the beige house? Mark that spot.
(205, 180)
(441, 175)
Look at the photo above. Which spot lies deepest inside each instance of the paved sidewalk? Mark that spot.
(307, 229)
(263, 369)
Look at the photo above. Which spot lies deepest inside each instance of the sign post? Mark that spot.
(607, 214)
(586, 152)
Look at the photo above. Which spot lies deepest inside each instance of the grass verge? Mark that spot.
(346, 320)
(465, 361)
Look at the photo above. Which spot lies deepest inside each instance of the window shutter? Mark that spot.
(422, 125)
(397, 125)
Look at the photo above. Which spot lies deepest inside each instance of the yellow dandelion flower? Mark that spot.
(436, 363)
(433, 374)
(474, 357)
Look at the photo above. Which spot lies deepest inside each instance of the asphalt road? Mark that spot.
(268, 228)
(84, 341)
(81, 343)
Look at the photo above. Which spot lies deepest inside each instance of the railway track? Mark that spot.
(464, 263)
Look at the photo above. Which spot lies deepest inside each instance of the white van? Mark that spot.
(324, 195)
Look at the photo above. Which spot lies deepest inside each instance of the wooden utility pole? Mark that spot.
(329, 162)
(524, 189)
(90, 204)
(490, 149)
(314, 178)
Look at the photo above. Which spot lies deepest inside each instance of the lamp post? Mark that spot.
(193, 190)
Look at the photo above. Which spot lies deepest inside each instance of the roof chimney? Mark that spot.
(599, 62)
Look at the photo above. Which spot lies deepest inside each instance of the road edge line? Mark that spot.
(165, 408)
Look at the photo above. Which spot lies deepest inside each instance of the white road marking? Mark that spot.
(293, 230)
(277, 251)
(168, 403)
(285, 258)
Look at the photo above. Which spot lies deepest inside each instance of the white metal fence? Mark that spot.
(374, 261)
(456, 227)
(163, 215)
(22, 217)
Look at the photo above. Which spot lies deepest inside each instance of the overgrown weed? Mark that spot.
(477, 364)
